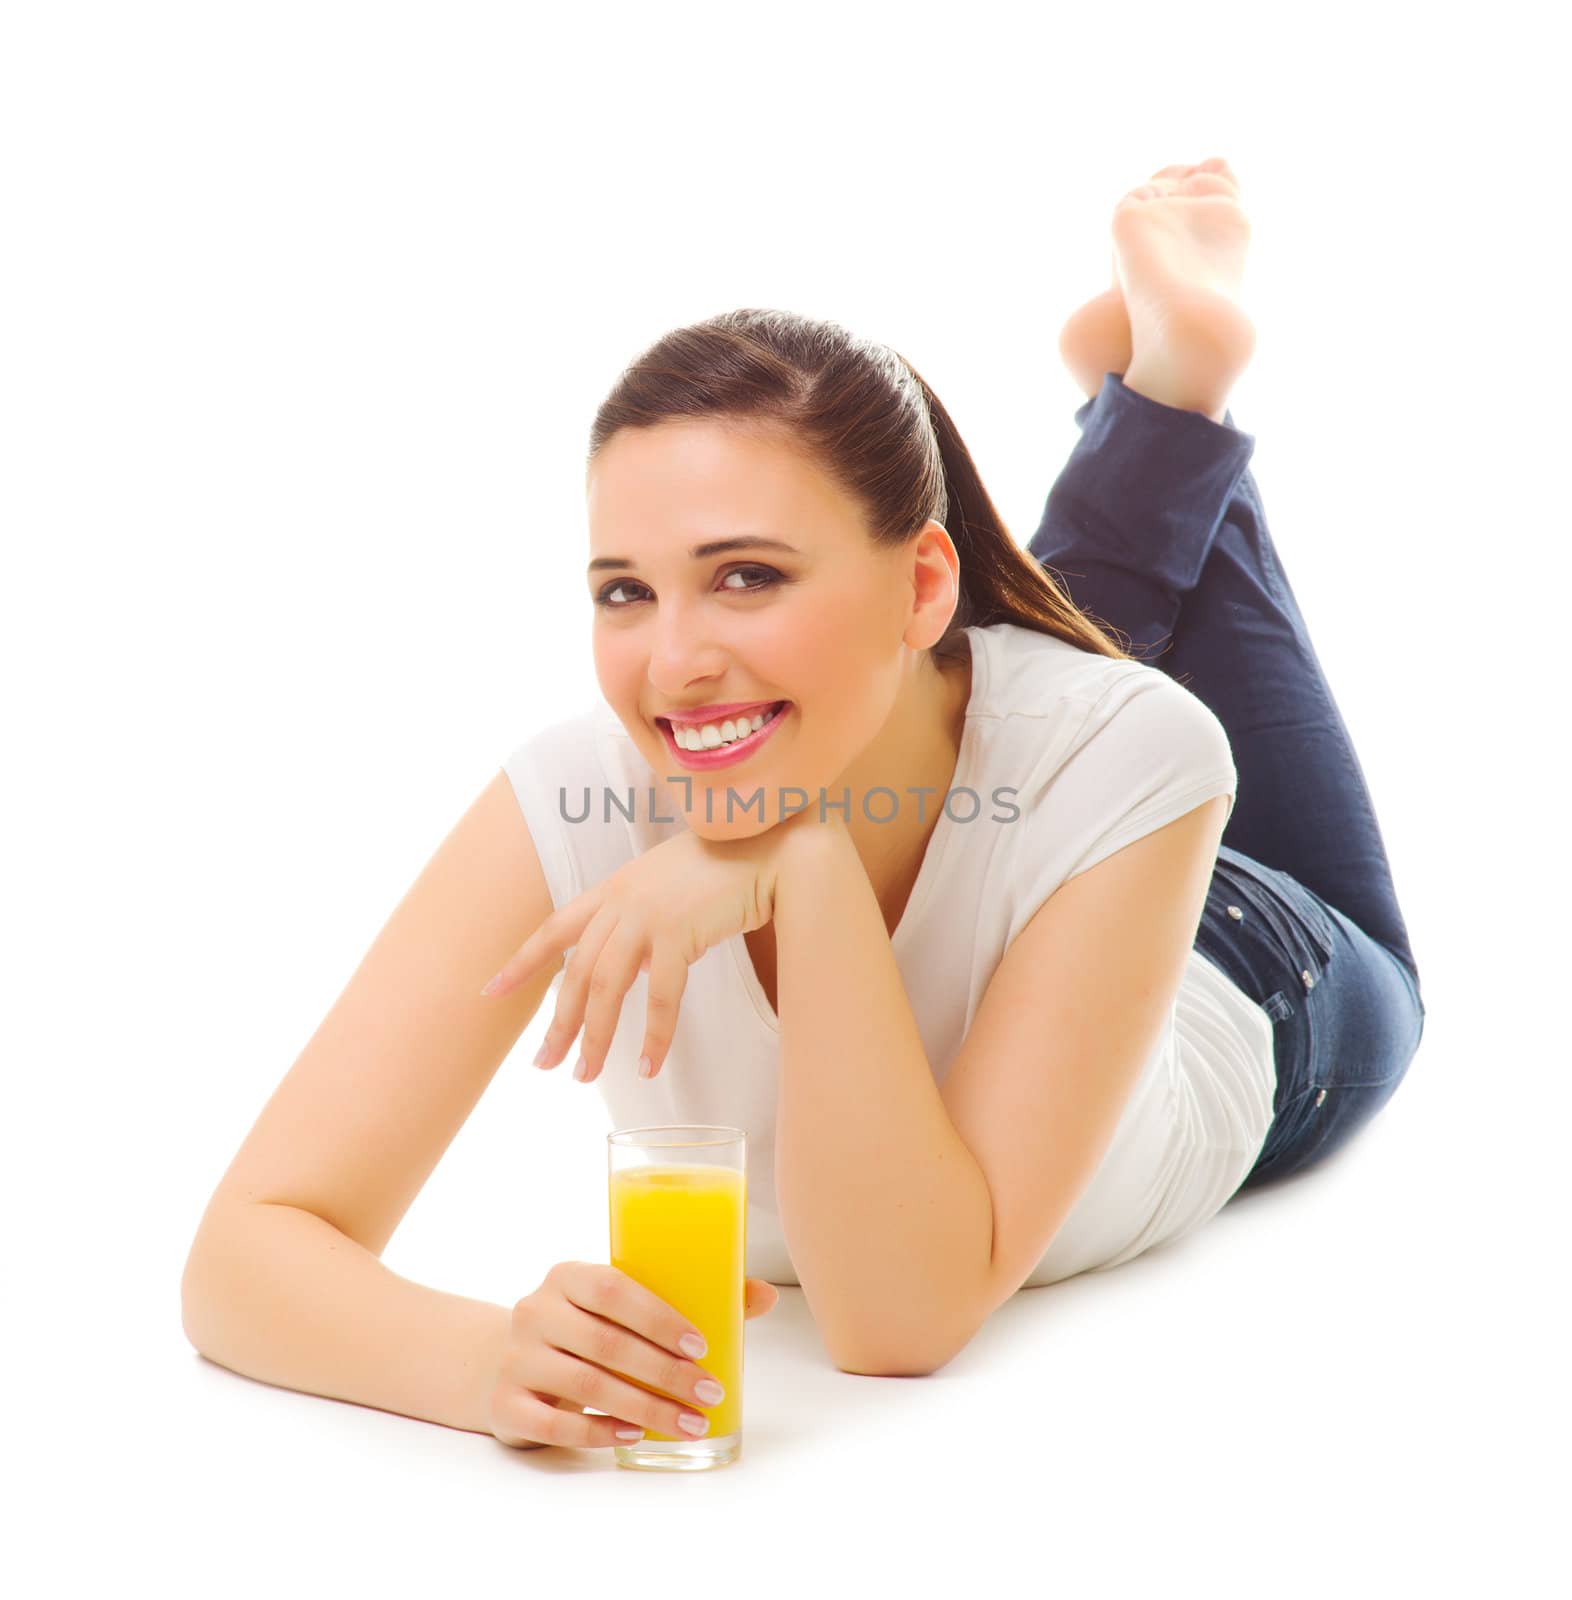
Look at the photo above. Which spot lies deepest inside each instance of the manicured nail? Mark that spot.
(541, 1054)
(646, 1066)
(692, 1345)
(581, 1071)
(493, 984)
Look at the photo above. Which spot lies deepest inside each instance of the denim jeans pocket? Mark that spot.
(1296, 1133)
(1325, 1118)
(1301, 926)
(1311, 911)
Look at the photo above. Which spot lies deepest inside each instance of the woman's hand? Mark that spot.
(577, 1340)
(658, 914)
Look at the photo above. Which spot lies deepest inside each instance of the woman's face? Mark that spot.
(820, 619)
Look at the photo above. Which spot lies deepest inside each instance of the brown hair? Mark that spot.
(865, 417)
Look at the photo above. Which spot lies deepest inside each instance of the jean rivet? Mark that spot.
(1309, 981)
(1320, 1097)
(1236, 913)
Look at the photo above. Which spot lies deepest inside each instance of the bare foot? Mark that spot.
(1179, 253)
(1096, 340)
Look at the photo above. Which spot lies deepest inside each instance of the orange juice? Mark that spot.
(682, 1231)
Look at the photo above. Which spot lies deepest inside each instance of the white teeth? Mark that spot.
(712, 735)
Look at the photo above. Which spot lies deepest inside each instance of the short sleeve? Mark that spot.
(1154, 752)
(540, 770)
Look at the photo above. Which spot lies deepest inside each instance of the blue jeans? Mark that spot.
(1155, 527)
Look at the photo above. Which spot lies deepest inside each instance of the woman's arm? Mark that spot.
(885, 1211)
(278, 1294)
(283, 1281)
(913, 1213)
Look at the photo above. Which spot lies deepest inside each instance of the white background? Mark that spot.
(306, 312)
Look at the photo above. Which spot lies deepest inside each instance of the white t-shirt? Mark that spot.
(1098, 752)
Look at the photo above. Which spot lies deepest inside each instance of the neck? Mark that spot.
(916, 749)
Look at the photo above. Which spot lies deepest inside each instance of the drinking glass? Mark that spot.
(678, 1200)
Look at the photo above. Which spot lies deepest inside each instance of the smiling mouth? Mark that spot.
(770, 713)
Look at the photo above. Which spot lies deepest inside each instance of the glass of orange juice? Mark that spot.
(679, 1225)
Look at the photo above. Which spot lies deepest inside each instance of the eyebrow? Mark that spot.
(701, 552)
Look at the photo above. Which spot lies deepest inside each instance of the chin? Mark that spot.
(720, 831)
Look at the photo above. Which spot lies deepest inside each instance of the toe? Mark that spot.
(1204, 183)
(1218, 165)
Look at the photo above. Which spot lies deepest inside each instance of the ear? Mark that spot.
(936, 585)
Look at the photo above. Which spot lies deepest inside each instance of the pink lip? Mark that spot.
(723, 755)
(720, 713)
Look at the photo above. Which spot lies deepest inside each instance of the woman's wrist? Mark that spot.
(806, 835)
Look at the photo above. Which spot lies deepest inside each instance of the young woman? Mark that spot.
(881, 847)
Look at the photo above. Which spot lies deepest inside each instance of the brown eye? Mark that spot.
(604, 597)
(771, 577)
(767, 575)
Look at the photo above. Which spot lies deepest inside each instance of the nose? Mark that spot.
(681, 652)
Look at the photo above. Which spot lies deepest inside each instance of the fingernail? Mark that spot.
(495, 980)
(581, 1071)
(646, 1066)
(541, 1054)
(692, 1345)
